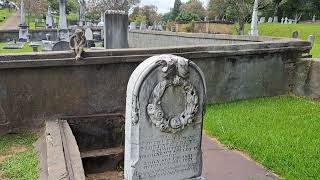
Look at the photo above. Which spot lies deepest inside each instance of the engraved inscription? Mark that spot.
(169, 156)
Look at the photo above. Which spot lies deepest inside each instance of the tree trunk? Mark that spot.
(241, 28)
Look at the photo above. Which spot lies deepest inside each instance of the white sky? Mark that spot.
(164, 5)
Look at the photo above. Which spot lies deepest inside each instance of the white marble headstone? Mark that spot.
(88, 34)
(164, 115)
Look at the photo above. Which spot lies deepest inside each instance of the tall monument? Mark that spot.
(254, 23)
(63, 26)
(23, 31)
(49, 19)
(82, 12)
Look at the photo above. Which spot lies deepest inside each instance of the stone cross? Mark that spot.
(164, 114)
(82, 12)
(286, 20)
(254, 23)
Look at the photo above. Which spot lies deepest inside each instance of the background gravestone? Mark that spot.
(61, 46)
(116, 30)
(164, 114)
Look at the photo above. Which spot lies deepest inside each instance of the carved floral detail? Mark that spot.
(175, 72)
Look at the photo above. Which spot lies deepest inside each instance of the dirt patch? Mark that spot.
(15, 149)
(111, 175)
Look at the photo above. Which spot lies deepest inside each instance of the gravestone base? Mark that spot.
(23, 33)
(64, 35)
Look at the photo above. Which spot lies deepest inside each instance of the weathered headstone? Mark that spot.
(295, 34)
(275, 19)
(133, 26)
(270, 19)
(14, 45)
(61, 46)
(47, 45)
(290, 21)
(262, 20)
(311, 39)
(49, 19)
(282, 20)
(286, 20)
(143, 26)
(101, 23)
(116, 30)
(314, 18)
(63, 26)
(88, 34)
(89, 37)
(23, 27)
(164, 115)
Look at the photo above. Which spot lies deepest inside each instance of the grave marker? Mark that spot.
(116, 29)
(164, 115)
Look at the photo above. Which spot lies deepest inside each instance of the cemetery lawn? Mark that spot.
(25, 49)
(281, 133)
(286, 30)
(18, 159)
(5, 14)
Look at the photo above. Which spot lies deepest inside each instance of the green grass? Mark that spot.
(20, 165)
(286, 30)
(25, 49)
(5, 14)
(282, 133)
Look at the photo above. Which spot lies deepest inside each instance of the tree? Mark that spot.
(99, 6)
(217, 9)
(176, 9)
(194, 7)
(149, 12)
(187, 17)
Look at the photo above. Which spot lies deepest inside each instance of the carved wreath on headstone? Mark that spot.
(176, 74)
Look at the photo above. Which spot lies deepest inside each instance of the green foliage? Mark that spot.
(194, 7)
(187, 17)
(22, 165)
(26, 48)
(176, 9)
(72, 6)
(5, 14)
(140, 19)
(282, 133)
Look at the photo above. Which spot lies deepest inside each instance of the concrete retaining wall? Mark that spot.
(38, 87)
(147, 39)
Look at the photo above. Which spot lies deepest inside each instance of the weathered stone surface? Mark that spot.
(307, 78)
(61, 46)
(164, 114)
(116, 30)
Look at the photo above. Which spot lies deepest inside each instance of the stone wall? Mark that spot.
(307, 78)
(206, 27)
(40, 86)
(147, 39)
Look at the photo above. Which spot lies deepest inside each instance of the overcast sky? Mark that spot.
(165, 5)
